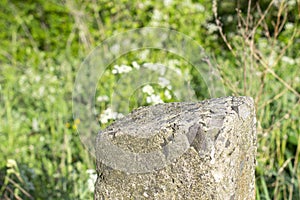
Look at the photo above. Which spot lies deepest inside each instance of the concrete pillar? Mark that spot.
(198, 150)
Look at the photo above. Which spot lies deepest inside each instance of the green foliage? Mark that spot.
(44, 42)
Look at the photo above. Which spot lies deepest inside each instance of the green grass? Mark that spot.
(44, 43)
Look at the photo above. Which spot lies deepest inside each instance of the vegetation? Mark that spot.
(255, 45)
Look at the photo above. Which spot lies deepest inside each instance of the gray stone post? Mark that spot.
(199, 150)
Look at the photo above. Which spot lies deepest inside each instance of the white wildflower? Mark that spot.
(135, 65)
(114, 71)
(29, 71)
(258, 73)
(92, 179)
(148, 89)
(211, 27)
(154, 99)
(176, 70)
(126, 42)
(42, 139)
(148, 65)
(163, 82)
(168, 94)
(22, 80)
(144, 54)
(51, 99)
(108, 114)
(31, 147)
(288, 60)
(121, 69)
(157, 15)
(90, 171)
(173, 62)
(277, 3)
(41, 91)
(271, 59)
(289, 26)
(168, 2)
(35, 125)
(291, 3)
(102, 98)
(199, 7)
(115, 48)
(156, 67)
(37, 79)
(230, 18)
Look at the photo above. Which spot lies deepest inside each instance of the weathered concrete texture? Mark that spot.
(218, 163)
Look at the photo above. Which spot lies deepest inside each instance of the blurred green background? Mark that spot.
(255, 45)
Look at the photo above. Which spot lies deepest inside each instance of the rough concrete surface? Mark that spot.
(198, 150)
